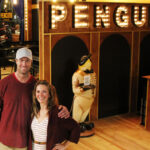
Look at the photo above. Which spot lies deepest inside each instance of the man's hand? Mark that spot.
(64, 113)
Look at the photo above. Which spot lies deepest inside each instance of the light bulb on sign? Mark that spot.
(15, 2)
(137, 20)
(102, 17)
(59, 13)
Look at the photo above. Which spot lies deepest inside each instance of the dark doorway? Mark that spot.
(66, 55)
(114, 76)
(143, 70)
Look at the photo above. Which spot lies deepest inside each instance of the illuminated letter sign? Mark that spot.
(81, 16)
(6, 15)
(96, 16)
(121, 16)
(59, 13)
(139, 16)
(102, 18)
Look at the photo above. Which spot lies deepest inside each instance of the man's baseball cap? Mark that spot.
(24, 52)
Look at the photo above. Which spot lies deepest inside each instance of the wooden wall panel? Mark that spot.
(41, 41)
(134, 71)
(95, 44)
(46, 17)
(47, 58)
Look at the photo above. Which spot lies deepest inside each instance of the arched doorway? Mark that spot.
(114, 76)
(66, 55)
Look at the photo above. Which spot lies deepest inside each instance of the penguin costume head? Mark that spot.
(85, 63)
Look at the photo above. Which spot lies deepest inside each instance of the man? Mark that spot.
(84, 89)
(15, 103)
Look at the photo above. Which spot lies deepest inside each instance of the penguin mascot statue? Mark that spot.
(84, 89)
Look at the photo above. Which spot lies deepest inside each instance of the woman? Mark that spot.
(48, 131)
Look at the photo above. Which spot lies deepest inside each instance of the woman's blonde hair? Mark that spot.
(52, 100)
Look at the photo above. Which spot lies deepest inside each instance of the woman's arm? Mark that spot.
(71, 128)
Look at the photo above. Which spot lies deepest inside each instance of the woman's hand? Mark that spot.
(59, 147)
(64, 113)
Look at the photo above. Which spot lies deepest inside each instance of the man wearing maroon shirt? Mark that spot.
(15, 104)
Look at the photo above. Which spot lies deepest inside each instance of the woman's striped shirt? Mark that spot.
(39, 131)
